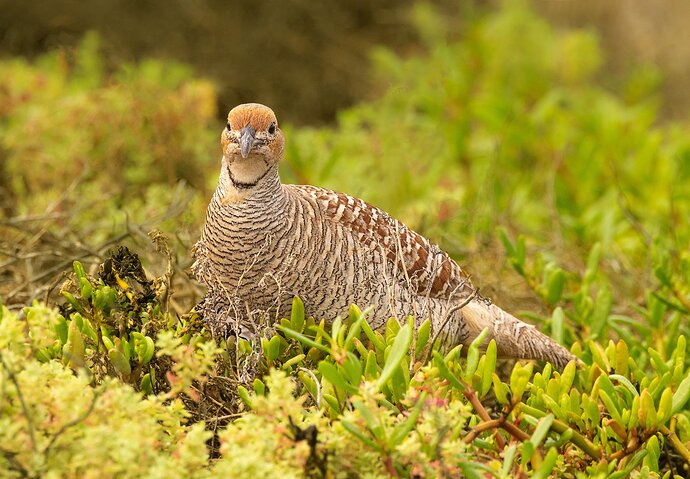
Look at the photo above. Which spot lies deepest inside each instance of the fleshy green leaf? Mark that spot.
(396, 355)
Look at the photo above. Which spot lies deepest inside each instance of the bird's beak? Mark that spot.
(247, 135)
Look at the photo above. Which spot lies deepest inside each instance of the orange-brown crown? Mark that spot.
(256, 115)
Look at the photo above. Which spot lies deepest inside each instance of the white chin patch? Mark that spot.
(247, 170)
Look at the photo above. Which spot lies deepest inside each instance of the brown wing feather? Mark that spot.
(429, 270)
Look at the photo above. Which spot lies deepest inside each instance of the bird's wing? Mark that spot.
(429, 270)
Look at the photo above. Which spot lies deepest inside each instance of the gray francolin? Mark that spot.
(265, 242)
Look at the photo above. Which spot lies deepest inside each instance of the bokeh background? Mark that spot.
(310, 59)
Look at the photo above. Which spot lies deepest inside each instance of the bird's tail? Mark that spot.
(513, 338)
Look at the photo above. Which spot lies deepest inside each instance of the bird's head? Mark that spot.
(252, 143)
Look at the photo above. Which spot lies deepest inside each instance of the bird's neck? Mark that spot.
(232, 190)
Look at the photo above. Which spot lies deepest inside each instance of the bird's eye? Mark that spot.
(272, 128)
(228, 126)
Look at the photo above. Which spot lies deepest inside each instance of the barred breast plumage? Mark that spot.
(265, 242)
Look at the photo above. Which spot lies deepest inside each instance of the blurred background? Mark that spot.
(310, 59)
(532, 140)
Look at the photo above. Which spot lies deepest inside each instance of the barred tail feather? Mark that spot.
(513, 337)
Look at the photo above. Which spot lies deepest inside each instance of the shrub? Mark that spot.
(97, 145)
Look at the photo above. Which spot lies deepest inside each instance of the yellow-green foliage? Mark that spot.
(507, 127)
(80, 138)
(366, 415)
(497, 141)
(56, 423)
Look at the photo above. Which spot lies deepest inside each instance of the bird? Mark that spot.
(265, 242)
